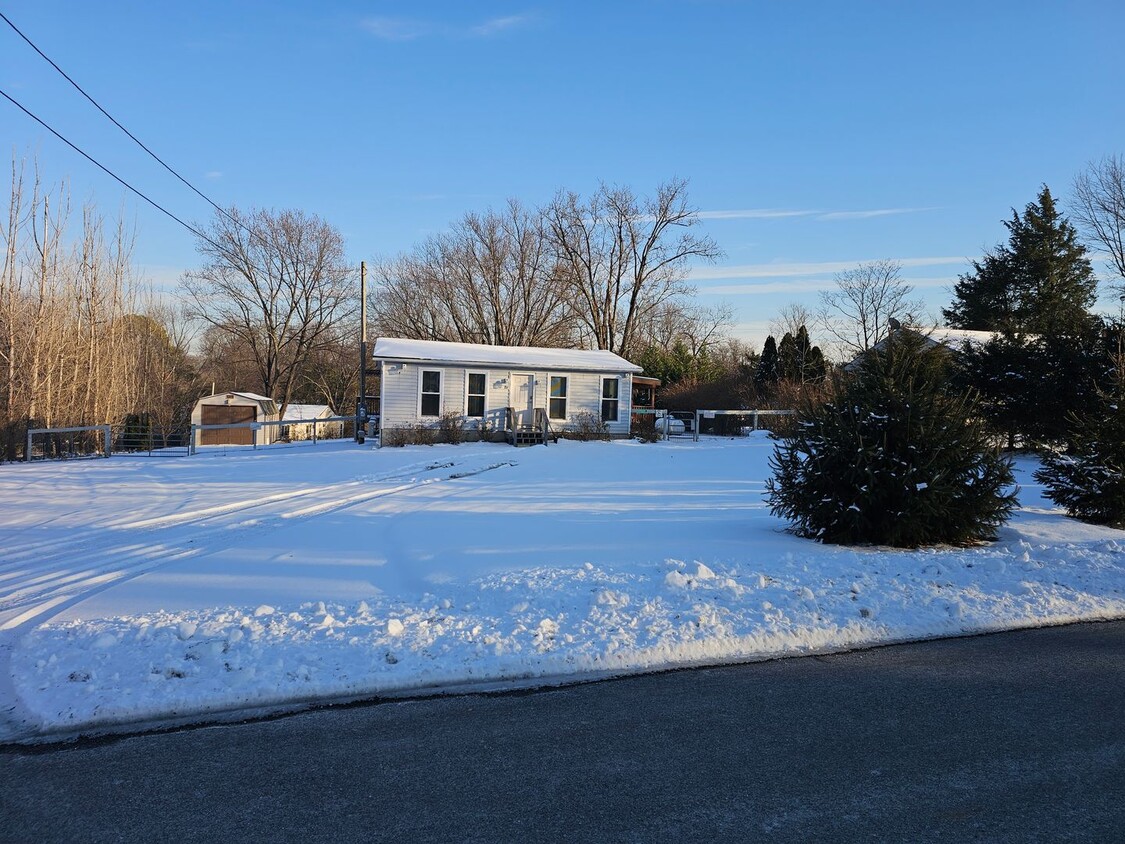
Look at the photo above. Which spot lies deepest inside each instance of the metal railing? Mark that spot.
(701, 415)
(666, 423)
(319, 430)
(66, 447)
(543, 423)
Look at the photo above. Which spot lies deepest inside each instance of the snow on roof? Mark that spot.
(254, 396)
(956, 336)
(395, 349)
(305, 412)
(240, 394)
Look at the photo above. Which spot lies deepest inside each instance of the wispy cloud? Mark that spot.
(783, 213)
(753, 214)
(809, 285)
(498, 25)
(213, 175)
(867, 215)
(794, 270)
(411, 29)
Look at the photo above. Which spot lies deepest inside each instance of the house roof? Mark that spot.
(951, 338)
(956, 336)
(306, 412)
(532, 357)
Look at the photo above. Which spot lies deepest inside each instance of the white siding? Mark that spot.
(401, 386)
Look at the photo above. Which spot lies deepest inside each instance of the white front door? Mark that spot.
(522, 396)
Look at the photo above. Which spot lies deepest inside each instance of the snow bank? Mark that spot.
(469, 613)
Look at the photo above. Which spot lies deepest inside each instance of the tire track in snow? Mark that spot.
(85, 552)
(14, 555)
(64, 587)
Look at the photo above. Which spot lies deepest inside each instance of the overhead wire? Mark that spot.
(105, 169)
(115, 122)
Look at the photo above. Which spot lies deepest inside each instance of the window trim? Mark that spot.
(484, 412)
(602, 399)
(440, 393)
(565, 397)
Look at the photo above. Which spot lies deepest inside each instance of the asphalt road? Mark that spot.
(1010, 737)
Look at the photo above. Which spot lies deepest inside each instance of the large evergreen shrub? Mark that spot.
(896, 459)
(1090, 481)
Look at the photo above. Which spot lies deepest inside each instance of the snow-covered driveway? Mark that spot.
(138, 587)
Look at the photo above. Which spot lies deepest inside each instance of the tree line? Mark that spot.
(272, 307)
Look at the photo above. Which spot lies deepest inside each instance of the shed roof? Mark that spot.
(268, 405)
(436, 351)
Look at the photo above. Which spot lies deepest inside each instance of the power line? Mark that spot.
(114, 121)
(109, 172)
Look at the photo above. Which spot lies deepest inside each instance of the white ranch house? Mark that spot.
(297, 424)
(519, 394)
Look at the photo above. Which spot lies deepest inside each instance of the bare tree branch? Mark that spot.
(858, 313)
(622, 258)
(276, 282)
(1098, 205)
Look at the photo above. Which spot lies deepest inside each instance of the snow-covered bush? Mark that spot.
(418, 434)
(451, 428)
(1090, 481)
(586, 426)
(895, 459)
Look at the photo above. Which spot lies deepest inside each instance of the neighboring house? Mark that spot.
(515, 393)
(952, 339)
(230, 409)
(297, 423)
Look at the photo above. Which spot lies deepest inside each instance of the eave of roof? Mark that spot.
(396, 350)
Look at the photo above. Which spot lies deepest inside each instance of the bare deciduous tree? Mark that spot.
(490, 279)
(275, 283)
(1098, 206)
(697, 327)
(858, 312)
(622, 257)
(79, 343)
(790, 318)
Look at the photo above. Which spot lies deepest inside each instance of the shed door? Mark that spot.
(221, 414)
(523, 398)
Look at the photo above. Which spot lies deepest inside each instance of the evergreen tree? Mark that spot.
(769, 366)
(1089, 481)
(1029, 388)
(788, 359)
(1041, 282)
(669, 365)
(1003, 373)
(816, 367)
(811, 358)
(897, 459)
(799, 360)
(984, 300)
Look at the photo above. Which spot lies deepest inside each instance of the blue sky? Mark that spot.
(814, 134)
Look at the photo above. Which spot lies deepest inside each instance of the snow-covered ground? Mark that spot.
(142, 588)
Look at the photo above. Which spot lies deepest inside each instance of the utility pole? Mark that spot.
(361, 403)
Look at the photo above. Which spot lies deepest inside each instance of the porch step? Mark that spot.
(529, 437)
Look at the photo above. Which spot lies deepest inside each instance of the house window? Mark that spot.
(475, 394)
(557, 408)
(430, 399)
(610, 399)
